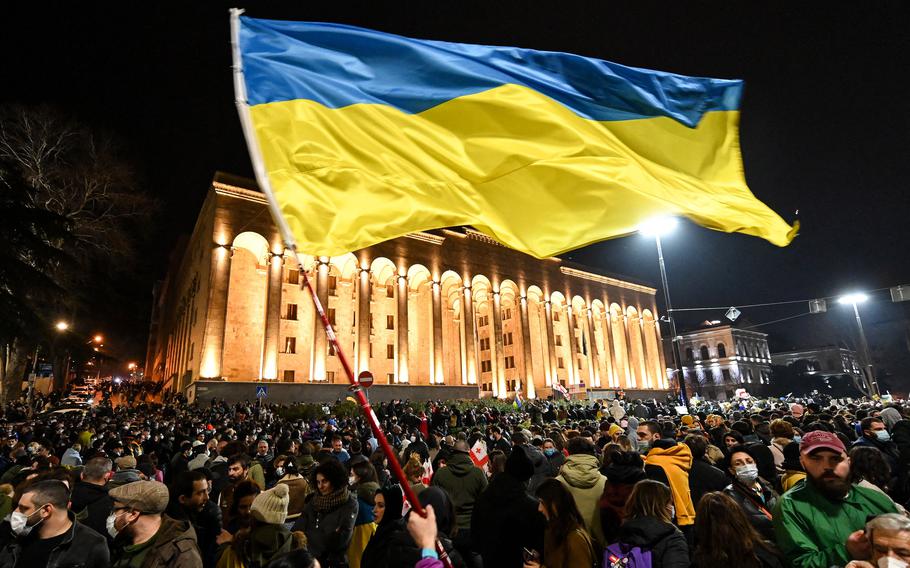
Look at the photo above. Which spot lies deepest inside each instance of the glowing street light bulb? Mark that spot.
(62, 326)
(658, 226)
(131, 366)
(98, 338)
(854, 298)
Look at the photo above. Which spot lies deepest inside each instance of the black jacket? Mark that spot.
(505, 520)
(757, 510)
(82, 547)
(704, 478)
(541, 468)
(666, 542)
(92, 505)
(403, 552)
(329, 534)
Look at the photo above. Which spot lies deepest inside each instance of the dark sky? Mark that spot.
(825, 124)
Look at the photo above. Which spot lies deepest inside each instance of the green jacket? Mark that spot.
(812, 531)
(581, 476)
(464, 482)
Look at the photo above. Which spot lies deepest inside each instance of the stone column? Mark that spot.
(401, 299)
(499, 379)
(437, 363)
(661, 359)
(573, 346)
(320, 340)
(630, 364)
(527, 365)
(216, 313)
(593, 359)
(551, 346)
(609, 350)
(364, 295)
(271, 337)
(469, 343)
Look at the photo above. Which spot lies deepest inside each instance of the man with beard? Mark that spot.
(819, 522)
(189, 501)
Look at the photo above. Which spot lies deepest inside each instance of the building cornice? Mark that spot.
(239, 192)
(606, 280)
(427, 238)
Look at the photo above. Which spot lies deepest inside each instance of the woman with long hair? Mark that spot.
(648, 527)
(364, 485)
(725, 536)
(388, 504)
(329, 514)
(566, 542)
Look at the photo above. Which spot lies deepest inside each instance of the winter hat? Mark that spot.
(271, 506)
(687, 420)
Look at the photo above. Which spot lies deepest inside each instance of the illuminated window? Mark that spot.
(510, 362)
(507, 338)
(290, 345)
(506, 313)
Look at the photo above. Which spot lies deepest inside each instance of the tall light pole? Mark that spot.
(854, 299)
(655, 228)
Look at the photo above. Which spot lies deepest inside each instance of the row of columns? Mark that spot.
(215, 326)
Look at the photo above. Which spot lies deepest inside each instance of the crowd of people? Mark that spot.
(616, 484)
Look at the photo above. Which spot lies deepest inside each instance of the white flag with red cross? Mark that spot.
(479, 456)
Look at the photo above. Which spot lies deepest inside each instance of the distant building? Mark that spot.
(430, 309)
(827, 361)
(717, 359)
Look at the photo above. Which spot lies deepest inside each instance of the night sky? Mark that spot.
(825, 129)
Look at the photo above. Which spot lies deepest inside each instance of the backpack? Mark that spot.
(620, 555)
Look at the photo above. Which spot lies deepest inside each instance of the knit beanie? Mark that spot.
(271, 506)
(687, 420)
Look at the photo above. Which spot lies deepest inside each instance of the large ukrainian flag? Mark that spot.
(362, 136)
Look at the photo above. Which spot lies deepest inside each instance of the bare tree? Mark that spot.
(70, 172)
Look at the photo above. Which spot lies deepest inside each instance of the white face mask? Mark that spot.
(352, 480)
(18, 522)
(747, 474)
(891, 562)
(111, 522)
(279, 471)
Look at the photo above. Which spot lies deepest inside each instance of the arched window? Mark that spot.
(690, 355)
(704, 352)
(721, 350)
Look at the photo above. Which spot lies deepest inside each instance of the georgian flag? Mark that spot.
(561, 389)
(478, 455)
(427, 473)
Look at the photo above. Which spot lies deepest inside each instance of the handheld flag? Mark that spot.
(479, 456)
(427, 476)
(518, 402)
(361, 136)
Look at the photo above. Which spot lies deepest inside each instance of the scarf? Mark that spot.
(330, 502)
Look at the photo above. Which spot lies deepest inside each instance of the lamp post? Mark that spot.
(655, 228)
(854, 299)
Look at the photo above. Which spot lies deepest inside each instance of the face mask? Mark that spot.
(797, 439)
(111, 528)
(643, 447)
(891, 562)
(550, 452)
(747, 474)
(279, 471)
(883, 436)
(672, 512)
(18, 522)
(352, 480)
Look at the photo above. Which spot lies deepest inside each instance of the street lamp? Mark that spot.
(62, 326)
(854, 299)
(98, 338)
(656, 228)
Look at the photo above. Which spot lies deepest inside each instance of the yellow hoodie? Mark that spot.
(676, 463)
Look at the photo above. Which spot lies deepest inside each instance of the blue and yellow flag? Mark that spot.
(363, 136)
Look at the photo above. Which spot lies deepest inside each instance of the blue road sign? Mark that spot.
(262, 391)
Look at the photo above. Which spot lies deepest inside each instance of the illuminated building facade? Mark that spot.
(444, 307)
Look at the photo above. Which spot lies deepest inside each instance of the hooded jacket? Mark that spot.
(667, 544)
(676, 461)
(92, 505)
(581, 476)
(464, 482)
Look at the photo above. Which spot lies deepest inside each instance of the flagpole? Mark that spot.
(290, 245)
